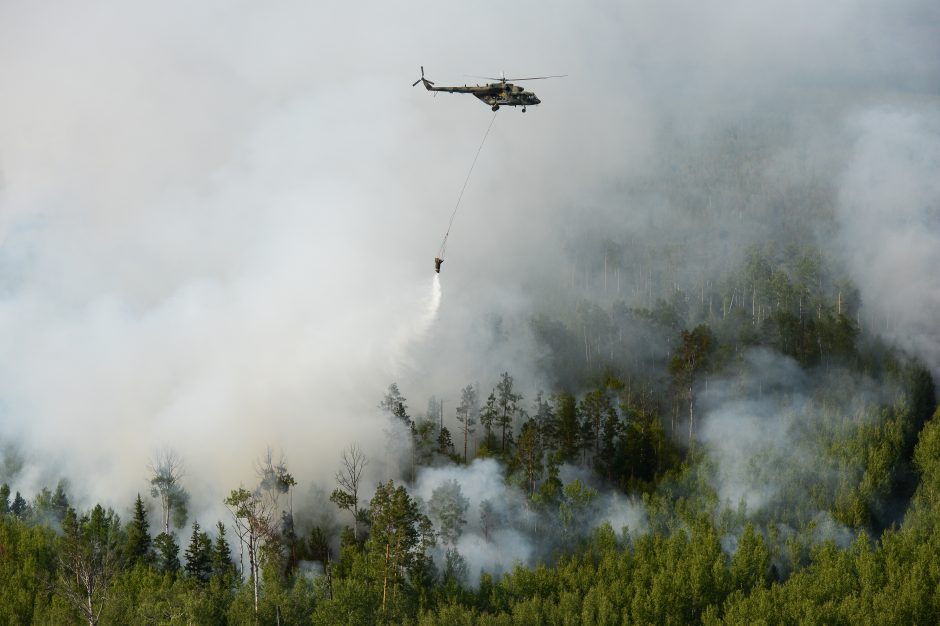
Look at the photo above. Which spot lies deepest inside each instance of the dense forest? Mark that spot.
(634, 507)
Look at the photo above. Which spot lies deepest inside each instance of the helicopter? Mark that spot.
(501, 93)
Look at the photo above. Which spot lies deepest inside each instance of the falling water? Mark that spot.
(412, 333)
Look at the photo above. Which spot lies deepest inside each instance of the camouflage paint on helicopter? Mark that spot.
(502, 93)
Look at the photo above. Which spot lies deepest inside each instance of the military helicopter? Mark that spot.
(495, 94)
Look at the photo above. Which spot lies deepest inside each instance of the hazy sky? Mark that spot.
(218, 220)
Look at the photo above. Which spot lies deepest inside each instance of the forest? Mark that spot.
(620, 480)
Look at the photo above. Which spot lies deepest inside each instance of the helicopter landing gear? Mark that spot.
(523, 109)
(495, 108)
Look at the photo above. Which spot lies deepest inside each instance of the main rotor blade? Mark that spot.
(486, 77)
(538, 77)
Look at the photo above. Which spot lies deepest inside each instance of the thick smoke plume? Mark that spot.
(217, 222)
(889, 215)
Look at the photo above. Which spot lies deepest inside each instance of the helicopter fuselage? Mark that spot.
(494, 94)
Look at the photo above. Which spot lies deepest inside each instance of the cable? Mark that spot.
(464, 188)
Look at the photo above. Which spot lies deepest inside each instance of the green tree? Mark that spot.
(401, 536)
(567, 425)
(544, 417)
(507, 404)
(222, 565)
(20, 507)
(528, 457)
(447, 507)
(467, 412)
(688, 360)
(488, 415)
(445, 444)
(138, 535)
(168, 553)
(199, 555)
(395, 404)
(252, 515)
(750, 565)
(88, 559)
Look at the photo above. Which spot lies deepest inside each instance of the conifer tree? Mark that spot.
(467, 414)
(394, 403)
(221, 553)
(567, 425)
(168, 553)
(60, 499)
(4, 499)
(19, 508)
(87, 560)
(445, 444)
(138, 534)
(400, 537)
(507, 402)
(488, 415)
(528, 457)
(447, 507)
(199, 555)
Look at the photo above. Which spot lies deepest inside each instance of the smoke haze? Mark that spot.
(217, 222)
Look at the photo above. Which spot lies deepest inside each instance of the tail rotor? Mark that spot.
(427, 83)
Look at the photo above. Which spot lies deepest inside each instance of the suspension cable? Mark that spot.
(440, 254)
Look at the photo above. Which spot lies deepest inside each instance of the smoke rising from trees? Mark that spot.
(215, 243)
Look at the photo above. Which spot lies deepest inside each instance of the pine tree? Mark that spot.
(400, 537)
(507, 403)
(88, 558)
(138, 535)
(4, 499)
(447, 506)
(60, 499)
(567, 425)
(529, 455)
(544, 418)
(611, 433)
(168, 553)
(467, 414)
(488, 416)
(394, 403)
(445, 444)
(199, 555)
(19, 508)
(222, 564)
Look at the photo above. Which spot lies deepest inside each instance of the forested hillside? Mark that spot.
(767, 460)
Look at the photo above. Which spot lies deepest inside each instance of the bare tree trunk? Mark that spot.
(91, 612)
(385, 578)
(253, 564)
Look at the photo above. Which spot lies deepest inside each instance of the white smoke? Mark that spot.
(518, 535)
(889, 215)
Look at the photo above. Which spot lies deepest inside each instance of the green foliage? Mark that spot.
(137, 548)
(398, 544)
(168, 553)
(447, 508)
(199, 555)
